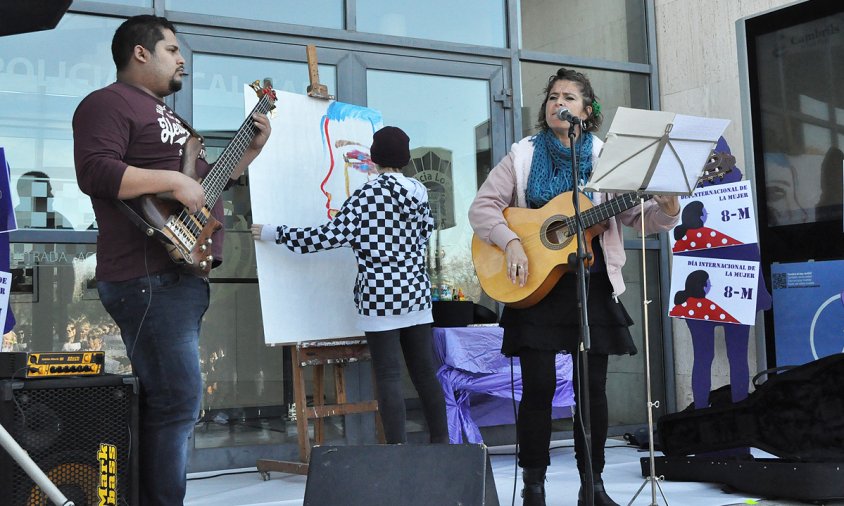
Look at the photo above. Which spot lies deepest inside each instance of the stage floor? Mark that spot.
(622, 476)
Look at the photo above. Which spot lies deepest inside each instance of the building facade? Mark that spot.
(464, 79)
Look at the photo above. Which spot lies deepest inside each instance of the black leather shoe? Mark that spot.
(599, 495)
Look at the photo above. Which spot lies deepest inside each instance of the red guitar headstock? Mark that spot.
(265, 91)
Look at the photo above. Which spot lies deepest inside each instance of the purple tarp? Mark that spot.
(476, 379)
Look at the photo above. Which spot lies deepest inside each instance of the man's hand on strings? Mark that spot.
(517, 262)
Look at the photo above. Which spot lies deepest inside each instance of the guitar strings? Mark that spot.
(216, 183)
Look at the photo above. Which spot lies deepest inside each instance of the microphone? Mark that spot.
(563, 114)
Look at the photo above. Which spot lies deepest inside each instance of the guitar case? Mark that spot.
(796, 415)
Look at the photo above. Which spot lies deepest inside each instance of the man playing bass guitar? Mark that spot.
(127, 144)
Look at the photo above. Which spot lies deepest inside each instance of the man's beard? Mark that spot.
(175, 85)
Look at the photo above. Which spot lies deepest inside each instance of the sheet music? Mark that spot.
(630, 159)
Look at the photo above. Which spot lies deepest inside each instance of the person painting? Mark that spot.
(128, 143)
(537, 169)
(387, 222)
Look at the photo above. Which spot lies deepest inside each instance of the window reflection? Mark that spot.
(323, 13)
(218, 82)
(575, 28)
(448, 151)
(480, 22)
(801, 104)
(42, 80)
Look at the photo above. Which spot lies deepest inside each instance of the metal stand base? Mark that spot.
(654, 484)
(651, 404)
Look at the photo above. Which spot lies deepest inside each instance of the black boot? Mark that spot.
(534, 491)
(600, 497)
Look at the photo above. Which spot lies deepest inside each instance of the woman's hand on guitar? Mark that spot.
(517, 262)
(256, 231)
(669, 204)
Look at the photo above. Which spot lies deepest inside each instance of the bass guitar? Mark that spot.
(548, 238)
(186, 235)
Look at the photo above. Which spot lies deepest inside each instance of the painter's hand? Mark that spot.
(256, 231)
(669, 204)
(517, 262)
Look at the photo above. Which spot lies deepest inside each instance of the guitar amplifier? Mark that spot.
(51, 364)
(82, 432)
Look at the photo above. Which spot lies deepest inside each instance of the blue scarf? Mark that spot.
(550, 169)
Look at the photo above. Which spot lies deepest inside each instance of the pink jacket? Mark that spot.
(505, 187)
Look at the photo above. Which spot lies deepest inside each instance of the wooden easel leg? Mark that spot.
(301, 406)
(319, 400)
(379, 425)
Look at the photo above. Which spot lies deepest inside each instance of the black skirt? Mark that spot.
(554, 322)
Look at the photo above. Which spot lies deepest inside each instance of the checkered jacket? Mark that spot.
(388, 230)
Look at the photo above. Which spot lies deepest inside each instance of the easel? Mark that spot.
(318, 354)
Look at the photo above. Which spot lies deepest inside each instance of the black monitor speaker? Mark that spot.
(406, 475)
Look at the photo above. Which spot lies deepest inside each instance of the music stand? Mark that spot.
(653, 153)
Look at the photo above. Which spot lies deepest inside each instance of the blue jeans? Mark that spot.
(159, 318)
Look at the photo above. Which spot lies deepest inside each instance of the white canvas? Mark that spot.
(317, 155)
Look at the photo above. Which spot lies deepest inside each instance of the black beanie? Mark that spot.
(390, 147)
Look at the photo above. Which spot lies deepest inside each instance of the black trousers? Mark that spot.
(416, 344)
(534, 422)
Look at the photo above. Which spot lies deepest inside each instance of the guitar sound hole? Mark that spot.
(556, 233)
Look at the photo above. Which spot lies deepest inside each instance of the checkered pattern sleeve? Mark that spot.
(337, 233)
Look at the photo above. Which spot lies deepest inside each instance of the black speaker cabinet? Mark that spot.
(407, 475)
(80, 431)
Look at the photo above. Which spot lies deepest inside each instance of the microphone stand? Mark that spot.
(580, 258)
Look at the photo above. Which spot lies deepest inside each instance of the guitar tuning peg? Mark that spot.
(203, 247)
(203, 264)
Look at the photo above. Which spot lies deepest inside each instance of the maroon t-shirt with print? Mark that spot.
(114, 127)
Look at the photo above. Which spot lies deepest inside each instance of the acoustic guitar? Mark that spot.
(186, 235)
(548, 238)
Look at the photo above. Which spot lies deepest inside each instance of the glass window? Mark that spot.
(798, 69)
(605, 29)
(56, 306)
(448, 153)
(218, 86)
(321, 13)
(136, 3)
(43, 77)
(480, 22)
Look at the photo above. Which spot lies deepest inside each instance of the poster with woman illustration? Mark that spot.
(715, 217)
(714, 289)
(316, 157)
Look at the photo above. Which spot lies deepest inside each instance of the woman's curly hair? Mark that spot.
(593, 121)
